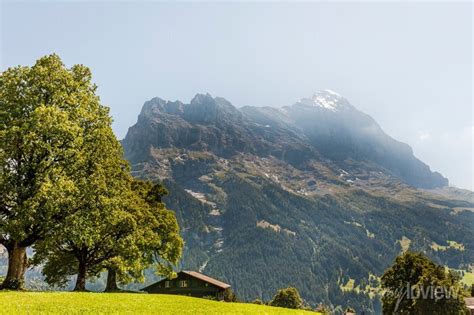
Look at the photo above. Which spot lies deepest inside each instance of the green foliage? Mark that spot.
(411, 275)
(157, 239)
(58, 266)
(126, 235)
(288, 298)
(46, 114)
(137, 232)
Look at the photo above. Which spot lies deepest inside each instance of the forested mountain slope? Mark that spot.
(314, 195)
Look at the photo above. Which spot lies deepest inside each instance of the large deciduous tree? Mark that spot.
(125, 235)
(46, 113)
(100, 222)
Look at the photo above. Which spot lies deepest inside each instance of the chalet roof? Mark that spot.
(196, 275)
(208, 279)
(469, 303)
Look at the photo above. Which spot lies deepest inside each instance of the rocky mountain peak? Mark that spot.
(205, 109)
(152, 104)
(202, 98)
(323, 126)
(158, 106)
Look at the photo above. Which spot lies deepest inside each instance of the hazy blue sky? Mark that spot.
(407, 65)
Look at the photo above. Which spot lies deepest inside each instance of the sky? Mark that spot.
(408, 65)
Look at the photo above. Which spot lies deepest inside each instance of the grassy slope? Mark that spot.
(468, 278)
(123, 303)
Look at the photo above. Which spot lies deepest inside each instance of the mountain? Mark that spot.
(313, 195)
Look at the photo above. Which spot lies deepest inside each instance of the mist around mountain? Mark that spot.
(313, 195)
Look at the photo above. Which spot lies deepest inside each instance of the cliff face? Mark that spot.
(314, 195)
(326, 126)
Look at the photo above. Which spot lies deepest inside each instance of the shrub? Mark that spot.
(229, 296)
(323, 309)
(257, 301)
(288, 298)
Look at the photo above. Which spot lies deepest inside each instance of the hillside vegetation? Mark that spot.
(124, 303)
(313, 195)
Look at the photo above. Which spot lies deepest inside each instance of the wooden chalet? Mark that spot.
(190, 283)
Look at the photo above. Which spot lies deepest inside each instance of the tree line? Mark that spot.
(66, 190)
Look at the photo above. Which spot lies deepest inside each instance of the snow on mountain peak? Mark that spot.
(327, 99)
(332, 93)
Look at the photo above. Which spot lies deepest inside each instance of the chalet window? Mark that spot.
(206, 284)
(183, 284)
(167, 284)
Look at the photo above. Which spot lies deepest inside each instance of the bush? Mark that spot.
(257, 301)
(288, 298)
(229, 296)
(323, 309)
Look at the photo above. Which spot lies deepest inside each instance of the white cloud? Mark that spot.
(450, 153)
(424, 135)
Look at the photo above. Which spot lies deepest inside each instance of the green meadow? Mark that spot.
(124, 303)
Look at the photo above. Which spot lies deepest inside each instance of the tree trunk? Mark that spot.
(81, 277)
(111, 281)
(17, 265)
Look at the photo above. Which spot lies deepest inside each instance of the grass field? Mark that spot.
(124, 303)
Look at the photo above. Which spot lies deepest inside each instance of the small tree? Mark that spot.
(288, 298)
(416, 285)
